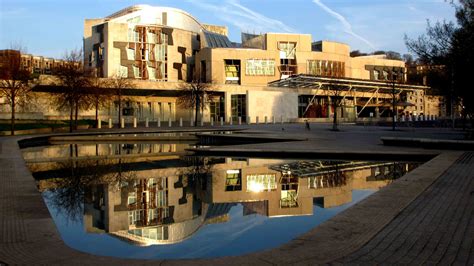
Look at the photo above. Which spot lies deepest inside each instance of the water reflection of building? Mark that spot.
(167, 203)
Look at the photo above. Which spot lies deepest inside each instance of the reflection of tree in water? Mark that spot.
(71, 184)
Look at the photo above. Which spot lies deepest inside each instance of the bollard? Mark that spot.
(147, 122)
(266, 120)
(134, 122)
(122, 123)
(212, 122)
(281, 119)
(249, 120)
(240, 120)
(273, 120)
(159, 122)
(99, 123)
(222, 121)
(169, 122)
(202, 122)
(256, 120)
(230, 120)
(110, 123)
(403, 118)
(191, 123)
(180, 122)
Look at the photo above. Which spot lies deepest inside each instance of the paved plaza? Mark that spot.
(423, 217)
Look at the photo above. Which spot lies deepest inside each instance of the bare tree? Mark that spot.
(74, 83)
(119, 83)
(194, 94)
(14, 83)
(99, 94)
(335, 90)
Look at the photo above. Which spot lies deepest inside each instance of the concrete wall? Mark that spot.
(272, 104)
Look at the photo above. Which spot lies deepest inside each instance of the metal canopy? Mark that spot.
(361, 85)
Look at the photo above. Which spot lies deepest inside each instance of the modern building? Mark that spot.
(165, 47)
(267, 77)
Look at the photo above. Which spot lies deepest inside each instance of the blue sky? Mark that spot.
(50, 27)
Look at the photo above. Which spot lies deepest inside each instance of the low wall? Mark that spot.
(23, 116)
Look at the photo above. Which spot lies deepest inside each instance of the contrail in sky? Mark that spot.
(242, 17)
(346, 25)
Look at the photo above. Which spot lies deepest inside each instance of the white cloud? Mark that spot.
(247, 20)
(347, 27)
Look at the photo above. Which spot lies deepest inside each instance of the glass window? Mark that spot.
(233, 180)
(287, 50)
(261, 182)
(136, 72)
(130, 54)
(288, 199)
(260, 67)
(132, 198)
(326, 68)
(238, 104)
(232, 71)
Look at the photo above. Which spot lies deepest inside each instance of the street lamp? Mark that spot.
(394, 112)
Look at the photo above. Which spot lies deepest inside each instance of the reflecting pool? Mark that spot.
(162, 203)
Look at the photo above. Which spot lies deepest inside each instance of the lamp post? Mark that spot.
(394, 112)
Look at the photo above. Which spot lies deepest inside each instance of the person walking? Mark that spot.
(307, 124)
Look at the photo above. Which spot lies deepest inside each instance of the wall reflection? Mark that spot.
(164, 200)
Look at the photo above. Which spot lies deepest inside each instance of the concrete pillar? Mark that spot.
(228, 104)
(169, 122)
(110, 123)
(99, 123)
(122, 123)
(134, 122)
(159, 122)
(222, 121)
(240, 120)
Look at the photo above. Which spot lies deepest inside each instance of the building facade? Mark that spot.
(267, 77)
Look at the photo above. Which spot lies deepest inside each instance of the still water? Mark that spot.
(161, 203)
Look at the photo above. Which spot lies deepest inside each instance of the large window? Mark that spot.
(260, 67)
(326, 68)
(238, 104)
(232, 71)
(217, 108)
(261, 182)
(233, 181)
(287, 50)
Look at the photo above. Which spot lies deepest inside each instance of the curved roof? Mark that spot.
(176, 18)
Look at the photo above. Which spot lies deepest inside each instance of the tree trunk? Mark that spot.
(12, 125)
(75, 115)
(119, 109)
(71, 113)
(97, 113)
(196, 115)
